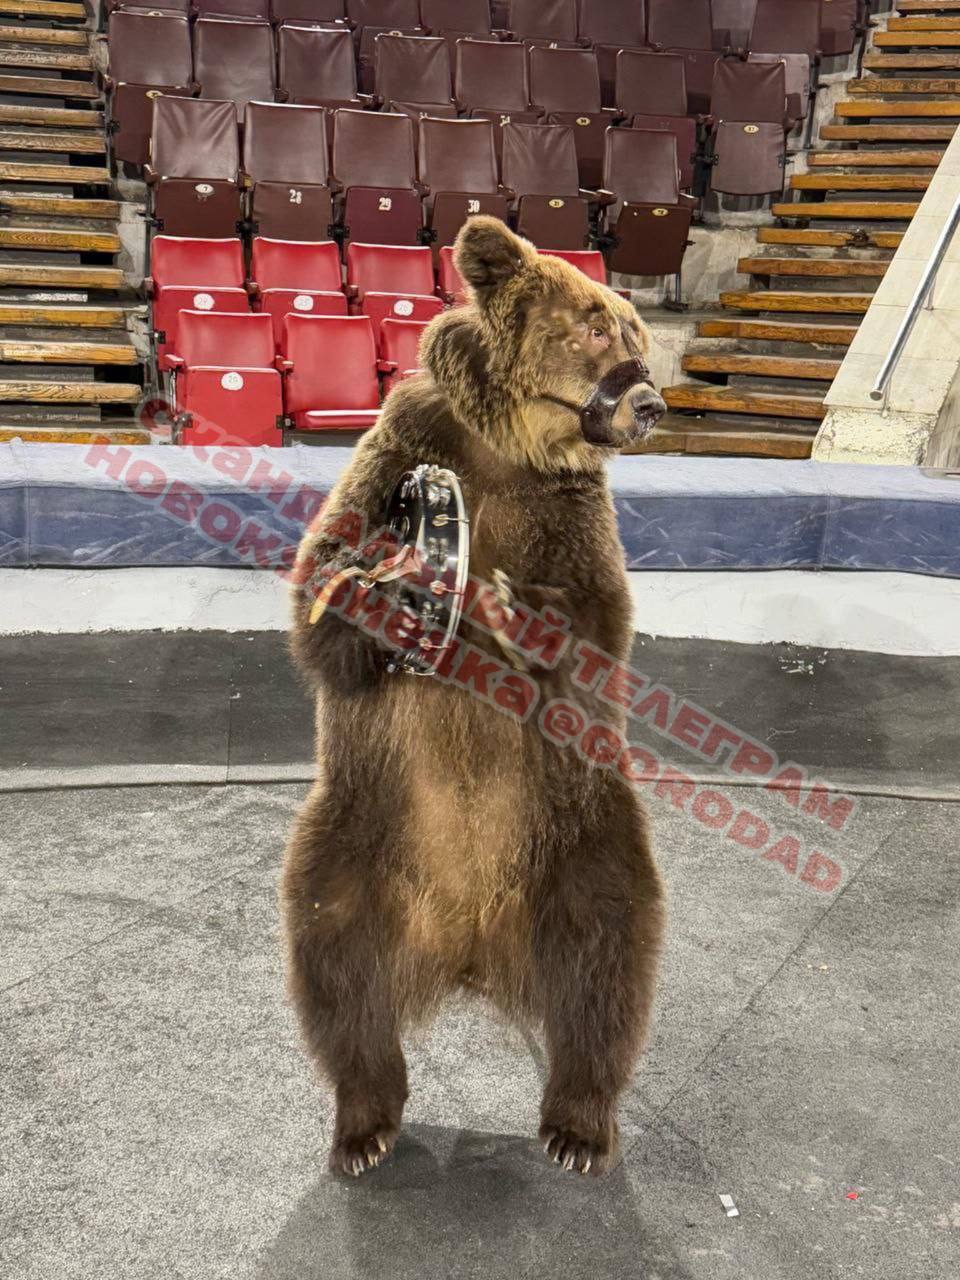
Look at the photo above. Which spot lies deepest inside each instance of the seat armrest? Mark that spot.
(591, 196)
(252, 288)
(605, 197)
(387, 366)
(173, 362)
(149, 287)
(283, 365)
(352, 291)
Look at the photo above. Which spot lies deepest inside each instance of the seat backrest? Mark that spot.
(651, 83)
(186, 261)
(334, 363)
(150, 48)
(374, 149)
(458, 155)
(640, 165)
(787, 26)
(544, 19)
(413, 69)
(225, 340)
(838, 21)
(308, 10)
(733, 22)
(382, 268)
(564, 79)
(589, 261)
(680, 24)
(233, 9)
(749, 91)
(540, 160)
(400, 342)
(234, 60)
(284, 143)
(296, 264)
(456, 15)
(317, 64)
(613, 22)
(192, 138)
(391, 14)
(492, 75)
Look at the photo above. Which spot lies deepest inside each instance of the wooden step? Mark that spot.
(929, 6)
(876, 159)
(943, 61)
(16, 352)
(53, 117)
(54, 315)
(873, 85)
(924, 22)
(45, 58)
(58, 9)
(21, 140)
(788, 300)
(870, 108)
(59, 206)
(762, 366)
(865, 210)
(828, 335)
(40, 238)
(887, 132)
(823, 267)
(51, 88)
(674, 434)
(916, 40)
(44, 35)
(735, 400)
(70, 433)
(64, 173)
(27, 392)
(16, 274)
(860, 182)
(822, 238)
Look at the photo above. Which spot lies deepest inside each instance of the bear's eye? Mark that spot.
(598, 333)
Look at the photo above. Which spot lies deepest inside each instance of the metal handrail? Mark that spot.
(922, 298)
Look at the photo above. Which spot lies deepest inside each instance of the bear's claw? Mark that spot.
(572, 1151)
(356, 1155)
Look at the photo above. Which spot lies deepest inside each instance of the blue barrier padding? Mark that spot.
(63, 505)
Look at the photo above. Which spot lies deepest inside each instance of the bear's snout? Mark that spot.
(647, 408)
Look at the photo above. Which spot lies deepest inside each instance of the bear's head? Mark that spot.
(546, 365)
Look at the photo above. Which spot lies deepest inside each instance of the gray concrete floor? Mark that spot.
(157, 1118)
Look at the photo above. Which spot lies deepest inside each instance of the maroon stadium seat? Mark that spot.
(244, 10)
(550, 20)
(234, 60)
(149, 54)
(376, 17)
(796, 69)
(191, 274)
(787, 26)
(647, 218)
(399, 350)
(565, 85)
(330, 381)
(840, 25)
(308, 11)
(451, 286)
(226, 390)
(686, 28)
(285, 160)
(612, 25)
(317, 65)
(386, 280)
(458, 167)
(461, 16)
(540, 167)
(413, 71)
(652, 94)
(294, 277)
(374, 160)
(491, 76)
(194, 167)
(749, 103)
(733, 22)
(589, 261)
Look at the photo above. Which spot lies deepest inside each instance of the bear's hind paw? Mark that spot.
(574, 1152)
(357, 1154)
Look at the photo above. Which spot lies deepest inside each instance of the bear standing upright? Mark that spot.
(444, 844)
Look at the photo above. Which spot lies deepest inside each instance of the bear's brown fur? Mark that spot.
(446, 845)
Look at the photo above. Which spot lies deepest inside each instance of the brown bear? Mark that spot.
(446, 845)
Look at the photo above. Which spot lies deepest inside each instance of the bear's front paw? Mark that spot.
(354, 1154)
(576, 1151)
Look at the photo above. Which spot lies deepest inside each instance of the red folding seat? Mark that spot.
(612, 25)
(191, 275)
(149, 54)
(456, 17)
(796, 71)
(399, 350)
(458, 170)
(380, 17)
(388, 280)
(285, 160)
(374, 161)
(841, 26)
(686, 28)
(292, 277)
(308, 11)
(589, 261)
(194, 167)
(646, 219)
(540, 167)
(787, 26)
(450, 287)
(492, 82)
(565, 86)
(413, 74)
(317, 65)
(732, 23)
(749, 143)
(225, 388)
(234, 61)
(554, 21)
(255, 10)
(652, 94)
(330, 373)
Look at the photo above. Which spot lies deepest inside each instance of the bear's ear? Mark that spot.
(487, 254)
